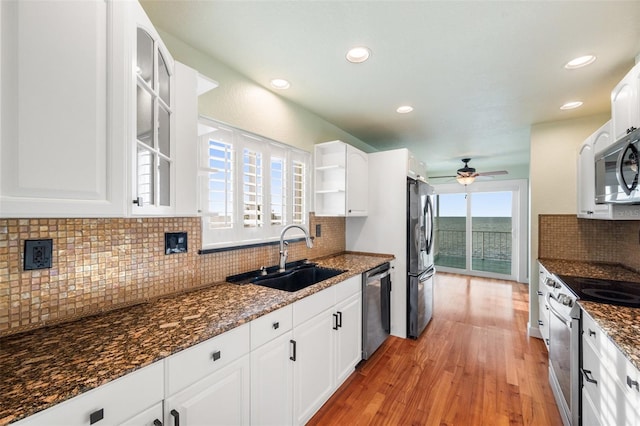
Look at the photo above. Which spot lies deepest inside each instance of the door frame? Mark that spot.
(520, 220)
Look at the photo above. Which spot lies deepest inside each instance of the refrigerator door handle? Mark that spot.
(427, 274)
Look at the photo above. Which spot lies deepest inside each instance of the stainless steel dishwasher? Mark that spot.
(376, 313)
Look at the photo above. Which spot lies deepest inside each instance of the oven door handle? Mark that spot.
(565, 321)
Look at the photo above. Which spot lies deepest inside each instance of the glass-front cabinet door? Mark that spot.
(153, 173)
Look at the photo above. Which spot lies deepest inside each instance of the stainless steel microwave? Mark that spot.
(617, 170)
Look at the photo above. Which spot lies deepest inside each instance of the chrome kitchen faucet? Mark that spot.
(283, 251)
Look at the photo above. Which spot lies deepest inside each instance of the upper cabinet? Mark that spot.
(625, 104)
(341, 180)
(93, 111)
(57, 153)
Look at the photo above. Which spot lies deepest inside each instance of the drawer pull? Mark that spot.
(339, 319)
(591, 333)
(293, 344)
(216, 356)
(540, 293)
(335, 321)
(633, 383)
(276, 325)
(157, 422)
(587, 376)
(176, 417)
(540, 322)
(547, 341)
(96, 416)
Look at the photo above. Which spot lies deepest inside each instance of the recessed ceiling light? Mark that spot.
(580, 62)
(404, 109)
(358, 54)
(279, 83)
(571, 105)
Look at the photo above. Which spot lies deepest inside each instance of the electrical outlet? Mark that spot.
(38, 254)
(318, 230)
(175, 242)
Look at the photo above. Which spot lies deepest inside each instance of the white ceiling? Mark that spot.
(478, 73)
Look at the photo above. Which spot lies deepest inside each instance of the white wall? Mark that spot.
(242, 103)
(553, 172)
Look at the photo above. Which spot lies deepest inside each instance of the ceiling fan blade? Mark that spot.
(441, 177)
(493, 173)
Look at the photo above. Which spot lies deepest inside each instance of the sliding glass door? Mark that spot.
(477, 231)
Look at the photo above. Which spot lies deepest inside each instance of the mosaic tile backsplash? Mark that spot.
(103, 264)
(569, 238)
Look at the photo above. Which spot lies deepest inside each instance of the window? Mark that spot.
(250, 187)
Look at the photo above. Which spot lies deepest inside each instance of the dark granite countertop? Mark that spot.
(620, 324)
(46, 366)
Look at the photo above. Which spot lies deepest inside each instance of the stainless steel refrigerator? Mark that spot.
(420, 269)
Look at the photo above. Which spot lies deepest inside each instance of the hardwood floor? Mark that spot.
(473, 365)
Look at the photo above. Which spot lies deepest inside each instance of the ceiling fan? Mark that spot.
(466, 175)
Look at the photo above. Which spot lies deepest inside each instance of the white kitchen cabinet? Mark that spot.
(221, 398)
(92, 101)
(132, 396)
(150, 417)
(348, 337)
(209, 383)
(416, 169)
(609, 380)
(341, 180)
(59, 157)
(272, 368)
(625, 103)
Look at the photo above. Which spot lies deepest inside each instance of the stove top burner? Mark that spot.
(621, 293)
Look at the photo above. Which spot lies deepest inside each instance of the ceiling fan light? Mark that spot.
(465, 180)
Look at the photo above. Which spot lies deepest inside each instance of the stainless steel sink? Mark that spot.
(296, 277)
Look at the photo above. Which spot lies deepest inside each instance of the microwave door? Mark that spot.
(627, 168)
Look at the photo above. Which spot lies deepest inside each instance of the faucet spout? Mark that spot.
(283, 252)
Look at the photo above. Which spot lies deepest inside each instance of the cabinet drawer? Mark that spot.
(627, 376)
(348, 288)
(311, 306)
(116, 401)
(197, 362)
(592, 333)
(270, 326)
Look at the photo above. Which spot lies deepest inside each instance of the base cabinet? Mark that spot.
(278, 369)
(221, 398)
(609, 381)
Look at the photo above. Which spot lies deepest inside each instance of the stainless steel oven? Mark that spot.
(564, 351)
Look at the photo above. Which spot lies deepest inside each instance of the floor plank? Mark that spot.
(473, 365)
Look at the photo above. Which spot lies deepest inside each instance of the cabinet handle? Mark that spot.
(540, 293)
(139, 201)
(276, 325)
(96, 416)
(157, 422)
(631, 383)
(339, 319)
(293, 344)
(216, 356)
(176, 417)
(630, 129)
(587, 376)
(591, 333)
(335, 321)
(540, 322)
(546, 341)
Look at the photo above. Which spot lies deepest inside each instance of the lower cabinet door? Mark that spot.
(348, 337)
(221, 398)
(313, 373)
(272, 382)
(149, 417)
(590, 416)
